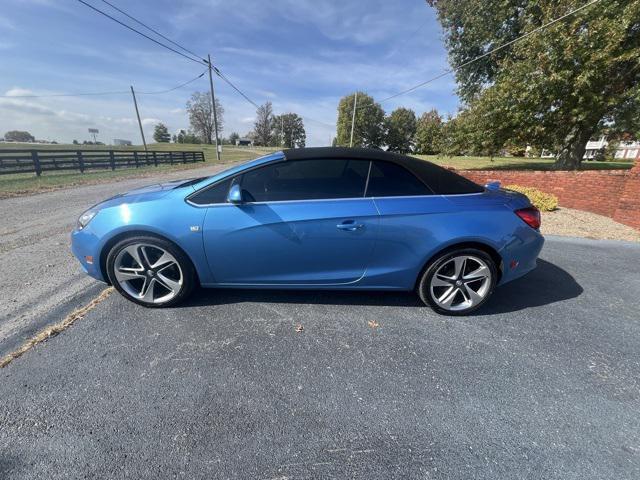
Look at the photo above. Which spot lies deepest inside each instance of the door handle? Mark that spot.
(349, 226)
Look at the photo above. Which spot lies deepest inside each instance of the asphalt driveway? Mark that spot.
(543, 383)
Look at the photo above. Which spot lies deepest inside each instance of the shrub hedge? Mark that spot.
(545, 202)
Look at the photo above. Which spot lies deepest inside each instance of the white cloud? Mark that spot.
(150, 121)
(16, 92)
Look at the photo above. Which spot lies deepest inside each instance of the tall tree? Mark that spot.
(201, 116)
(400, 130)
(263, 126)
(369, 122)
(288, 131)
(233, 138)
(428, 140)
(161, 133)
(19, 136)
(556, 87)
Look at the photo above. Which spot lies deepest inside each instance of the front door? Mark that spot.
(303, 222)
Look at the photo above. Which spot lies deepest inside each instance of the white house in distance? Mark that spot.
(625, 150)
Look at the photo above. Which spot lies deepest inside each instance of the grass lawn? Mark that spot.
(516, 163)
(20, 184)
(26, 183)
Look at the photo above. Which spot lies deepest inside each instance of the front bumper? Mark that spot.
(85, 246)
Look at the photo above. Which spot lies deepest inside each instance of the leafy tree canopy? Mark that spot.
(369, 122)
(555, 88)
(288, 131)
(161, 133)
(428, 133)
(186, 137)
(233, 138)
(401, 130)
(19, 136)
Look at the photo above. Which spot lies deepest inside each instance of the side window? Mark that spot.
(215, 194)
(391, 180)
(306, 180)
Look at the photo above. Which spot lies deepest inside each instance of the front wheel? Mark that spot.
(458, 282)
(150, 271)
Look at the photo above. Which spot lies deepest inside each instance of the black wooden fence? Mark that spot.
(39, 161)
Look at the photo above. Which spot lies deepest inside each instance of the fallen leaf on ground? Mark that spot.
(373, 324)
(299, 328)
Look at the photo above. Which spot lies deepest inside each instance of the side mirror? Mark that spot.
(235, 194)
(492, 186)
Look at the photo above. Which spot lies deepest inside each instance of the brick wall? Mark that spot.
(628, 211)
(614, 193)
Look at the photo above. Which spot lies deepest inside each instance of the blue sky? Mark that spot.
(302, 55)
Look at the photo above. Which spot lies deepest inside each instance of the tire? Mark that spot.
(150, 271)
(459, 281)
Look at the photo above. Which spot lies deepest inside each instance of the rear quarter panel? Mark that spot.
(414, 229)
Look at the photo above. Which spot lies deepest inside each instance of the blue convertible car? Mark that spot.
(314, 218)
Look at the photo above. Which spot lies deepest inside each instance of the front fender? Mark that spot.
(171, 219)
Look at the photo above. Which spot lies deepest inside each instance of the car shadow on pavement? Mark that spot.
(547, 284)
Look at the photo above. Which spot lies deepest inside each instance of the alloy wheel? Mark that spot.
(460, 283)
(148, 273)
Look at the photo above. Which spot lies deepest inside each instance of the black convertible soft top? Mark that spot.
(440, 180)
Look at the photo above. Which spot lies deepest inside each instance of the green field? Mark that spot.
(26, 183)
(516, 163)
(20, 184)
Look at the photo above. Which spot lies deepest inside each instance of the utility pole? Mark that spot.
(135, 103)
(213, 105)
(282, 129)
(353, 118)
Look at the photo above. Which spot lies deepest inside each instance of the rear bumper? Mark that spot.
(85, 246)
(520, 255)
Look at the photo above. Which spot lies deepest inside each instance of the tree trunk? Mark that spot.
(572, 152)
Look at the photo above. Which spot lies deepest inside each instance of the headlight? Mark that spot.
(85, 218)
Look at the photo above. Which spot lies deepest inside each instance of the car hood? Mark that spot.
(145, 194)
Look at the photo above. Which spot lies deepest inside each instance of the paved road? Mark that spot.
(39, 278)
(543, 383)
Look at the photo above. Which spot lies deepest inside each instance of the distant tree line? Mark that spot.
(285, 130)
(270, 130)
(401, 131)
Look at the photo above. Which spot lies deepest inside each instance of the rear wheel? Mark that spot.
(458, 282)
(150, 271)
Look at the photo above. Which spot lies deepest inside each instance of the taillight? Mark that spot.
(530, 216)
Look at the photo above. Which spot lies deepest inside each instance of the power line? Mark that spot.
(224, 77)
(230, 83)
(198, 60)
(216, 70)
(151, 29)
(486, 54)
(89, 94)
(174, 88)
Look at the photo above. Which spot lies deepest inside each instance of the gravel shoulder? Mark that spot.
(578, 223)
